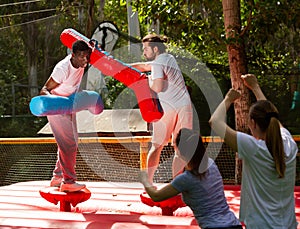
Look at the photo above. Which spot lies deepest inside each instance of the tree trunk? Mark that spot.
(47, 51)
(90, 25)
(237, 65)
(133, 29)
(237, 60)
(101, 10)
(88, 33)
(32, 57)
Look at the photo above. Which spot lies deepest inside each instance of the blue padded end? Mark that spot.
(45, 105)
(50, 105)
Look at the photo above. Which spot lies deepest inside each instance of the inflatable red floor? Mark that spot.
(111, 205)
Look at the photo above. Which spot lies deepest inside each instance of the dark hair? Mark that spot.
(192, 150)
(156, 41)
(79, 46)
(265, 114)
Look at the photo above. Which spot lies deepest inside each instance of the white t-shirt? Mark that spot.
(266, 200)
(67, 76)
(174, 94)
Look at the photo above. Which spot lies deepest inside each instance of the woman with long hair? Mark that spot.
(201, 184)
(269, 161)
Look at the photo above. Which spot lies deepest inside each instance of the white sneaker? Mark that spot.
(71, 187)
(55, 181)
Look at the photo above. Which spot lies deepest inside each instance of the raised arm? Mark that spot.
(250, 81)
(142, 66)
(49, 85)
(218, 120)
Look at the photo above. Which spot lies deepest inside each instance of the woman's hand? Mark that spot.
(250, 80)
(144, 178)
(232, 95)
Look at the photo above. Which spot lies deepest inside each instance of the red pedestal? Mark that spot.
(53, 195)
(167, 206)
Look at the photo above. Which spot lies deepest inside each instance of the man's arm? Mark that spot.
(49, 85)
(157, 85)
(142, 66)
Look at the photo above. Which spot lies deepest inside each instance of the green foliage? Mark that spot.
(21, 126)
(270, 30)
(272, 41)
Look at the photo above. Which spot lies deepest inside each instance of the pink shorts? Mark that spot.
(171, 122)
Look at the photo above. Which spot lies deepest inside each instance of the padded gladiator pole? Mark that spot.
(149, 105)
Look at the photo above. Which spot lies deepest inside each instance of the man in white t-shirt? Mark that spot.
(65, 81)
(167, 81)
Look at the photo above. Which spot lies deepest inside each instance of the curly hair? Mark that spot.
(79, 46)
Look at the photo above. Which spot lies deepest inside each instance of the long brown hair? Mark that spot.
(265, 114)
(191, 149)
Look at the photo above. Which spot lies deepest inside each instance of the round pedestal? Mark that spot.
(53, 195)
(167, 206)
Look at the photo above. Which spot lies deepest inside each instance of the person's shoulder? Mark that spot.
(169, 56)
(62, 67)
(286, 135)
(285, 131)
(164, 56)
(64, 63)
(184, 176)
(241, 136)
(181, 178)
(247, 143)
(290, 146)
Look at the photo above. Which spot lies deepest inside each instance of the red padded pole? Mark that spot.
(149, 106)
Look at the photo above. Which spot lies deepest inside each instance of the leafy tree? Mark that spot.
(198, 27)
(271, 42)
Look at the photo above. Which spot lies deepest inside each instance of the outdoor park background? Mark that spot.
(263, 38)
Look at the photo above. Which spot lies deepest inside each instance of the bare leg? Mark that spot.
(153, 160)
(177, 165)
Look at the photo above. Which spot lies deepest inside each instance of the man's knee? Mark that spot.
(155, 149)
